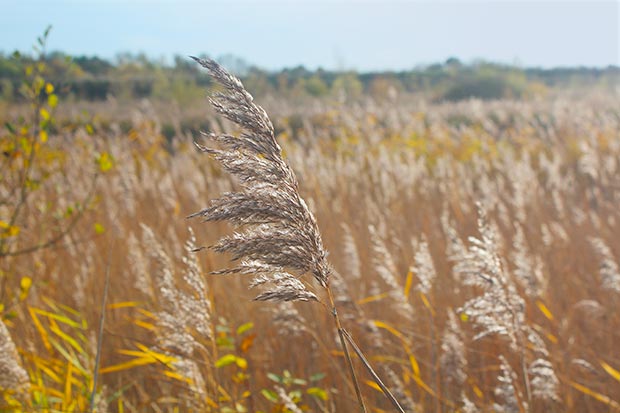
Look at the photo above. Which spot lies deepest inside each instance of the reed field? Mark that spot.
(472, 247)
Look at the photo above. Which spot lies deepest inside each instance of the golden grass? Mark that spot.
(395, 175)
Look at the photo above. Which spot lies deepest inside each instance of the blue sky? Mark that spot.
(337, 34)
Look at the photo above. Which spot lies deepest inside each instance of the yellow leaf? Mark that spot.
(39, 327)
(374, 385)
(127, 365)
(89, 129)
(241, 363)
(8, 230)
(58, 317)
(543, 308)
(372, 298)
(610, 370)
(99, 229)
(68, 339)
(12, 231)
(105, 162)
(24, 284)
(318, 392)
(161, 357)
(423, 385)
(225, 397)
(477, 391)
(43, 136)
(147, 313)
(177, 376)
(52, 375)
(408, 283)
(145, 325)
(244, 327)
(225, 360)
(49, 88)
(415, 367)
(387, 327)
(68, 386)
(122, 304)
(44, 114)
(211, 402)
(52, 101)
(427, 303)
(595, 395)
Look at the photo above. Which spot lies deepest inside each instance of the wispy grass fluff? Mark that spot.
(509, 397)
(183, 316)
(12, 374)
(500, 309)
(610, 275)
(279, 239)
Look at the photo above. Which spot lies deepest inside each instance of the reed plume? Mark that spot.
(12, 375)
(280, 235)
(278, 240)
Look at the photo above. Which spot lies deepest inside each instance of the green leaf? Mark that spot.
(300, 382)
(274, 377)
(270, 395)
(225, 360)
(69, 357)
(244, 327)
(10, 315)
(317, 377)
(318, 393)
(225, 343)
(295, 395)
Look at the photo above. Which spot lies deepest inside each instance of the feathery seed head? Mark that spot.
(12, 374)
(278, 232)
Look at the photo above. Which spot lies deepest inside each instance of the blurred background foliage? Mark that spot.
(136, 76)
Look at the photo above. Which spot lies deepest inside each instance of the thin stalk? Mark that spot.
(372, 372)
(100, 335)
(526, 379)
(343, 343)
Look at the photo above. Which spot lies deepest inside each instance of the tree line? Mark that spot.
(131, 76)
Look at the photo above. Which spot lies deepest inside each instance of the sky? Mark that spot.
(363, 35)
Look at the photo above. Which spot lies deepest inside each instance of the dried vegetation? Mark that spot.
(473, 256)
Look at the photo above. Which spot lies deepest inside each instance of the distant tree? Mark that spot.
(93, 65)
(347, 86)
(315, 86)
